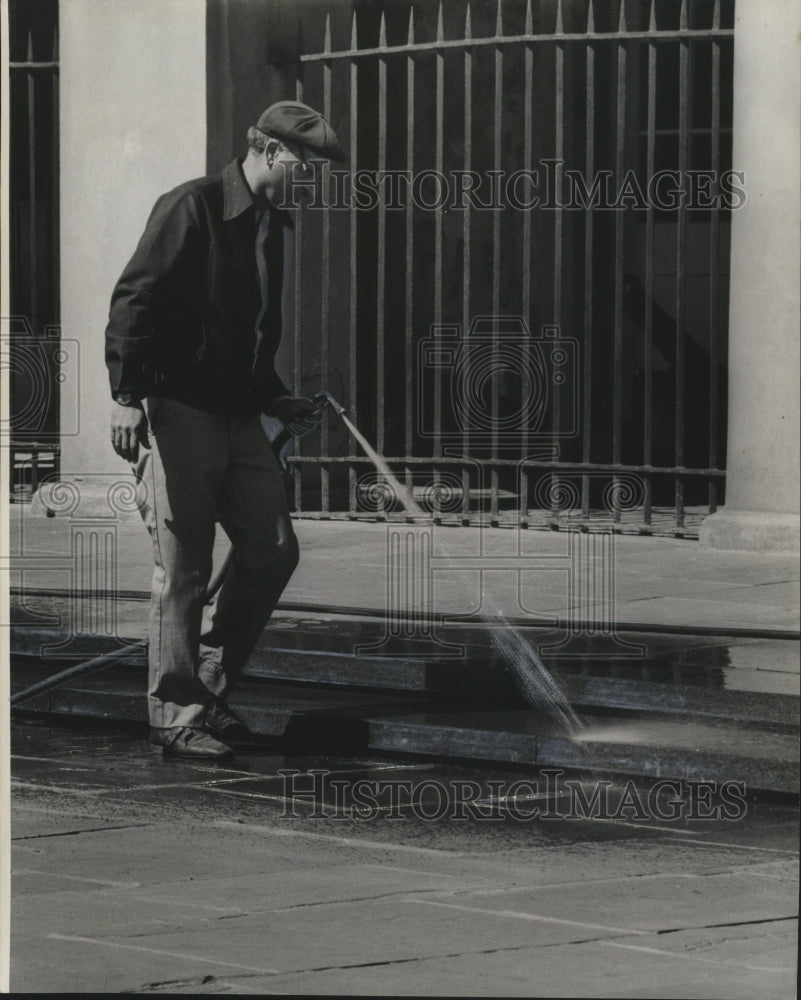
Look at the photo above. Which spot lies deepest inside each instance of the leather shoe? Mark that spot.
(189, 741)
(223, 722)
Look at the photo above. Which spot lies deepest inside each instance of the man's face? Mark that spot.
(290, 174)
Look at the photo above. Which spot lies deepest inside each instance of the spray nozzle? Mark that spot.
(283, 442)
(323, 398)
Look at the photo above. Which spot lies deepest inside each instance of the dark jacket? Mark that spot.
(183, 315)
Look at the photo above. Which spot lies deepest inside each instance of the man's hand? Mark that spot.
(128, 430)
(298, 414)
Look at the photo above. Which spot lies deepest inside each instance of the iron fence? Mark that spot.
(576, 365)
(32, 348)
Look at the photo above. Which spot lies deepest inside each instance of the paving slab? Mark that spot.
(657, 905)
(586, 969)
(758, 947)
(739, 608)
(64, 963)
(364, 932)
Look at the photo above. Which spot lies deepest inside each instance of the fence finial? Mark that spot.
(590, 17)
(622, 25)
(652, 18)
(410, 32)
(353, 40)
(382, 31)
(440, 31)
(560, 21)
(683, 21)
(499, 20)
(327, 37)
(716, 15)
(468, 24)
(529, 26)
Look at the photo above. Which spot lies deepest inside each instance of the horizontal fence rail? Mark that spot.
(559, 363)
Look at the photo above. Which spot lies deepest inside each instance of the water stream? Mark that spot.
(532, 676)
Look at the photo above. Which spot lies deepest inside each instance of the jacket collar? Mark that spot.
(238, 198)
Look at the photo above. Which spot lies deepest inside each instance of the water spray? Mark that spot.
(532, 677)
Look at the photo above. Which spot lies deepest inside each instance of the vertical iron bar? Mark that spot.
(681, 260)
(381, 239)
(438, 156)
(325, 291)
(558, 241)
(297, 469)
(496, 262)
(620, 165)
(33, 248)
(648, 402)
(559, 155)
(714, 278)
(589, 220)
(528, 130)
(352, 238)
(466, 239)
(55, 233)
(409, 301)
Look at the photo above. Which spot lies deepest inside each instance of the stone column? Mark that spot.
(762, 492)
(133, 125)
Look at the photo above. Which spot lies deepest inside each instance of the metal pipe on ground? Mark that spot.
(107, 659)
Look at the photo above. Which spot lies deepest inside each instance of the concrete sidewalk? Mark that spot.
(537, 576)
(134, 874)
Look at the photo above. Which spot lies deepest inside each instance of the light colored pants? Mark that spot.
(203, 467)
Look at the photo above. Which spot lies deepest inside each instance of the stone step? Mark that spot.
(697, 686)
(343, 721)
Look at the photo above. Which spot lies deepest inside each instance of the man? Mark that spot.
(194, 326)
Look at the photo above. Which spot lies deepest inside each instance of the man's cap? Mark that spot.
(296, 122)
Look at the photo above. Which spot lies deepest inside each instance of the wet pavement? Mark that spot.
(410, 826)
(375, 874)
(673, 706)
(364, 647)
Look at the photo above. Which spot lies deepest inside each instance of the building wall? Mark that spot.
(766, 259)
(133, 124)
